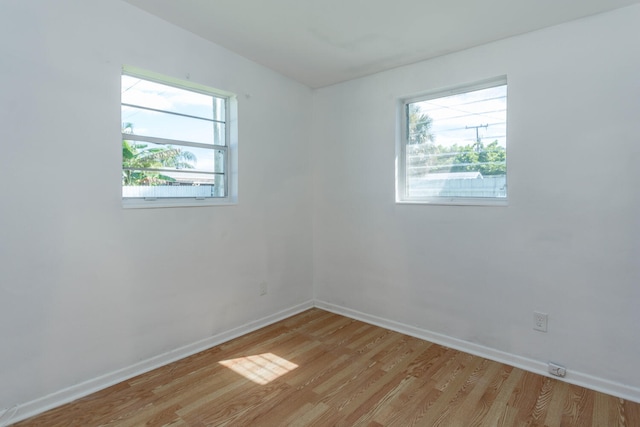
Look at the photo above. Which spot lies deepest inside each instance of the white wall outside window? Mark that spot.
(92, 288)
(566, 244)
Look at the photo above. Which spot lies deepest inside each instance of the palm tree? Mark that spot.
(418, 126)
(138, 157)
(420, 153)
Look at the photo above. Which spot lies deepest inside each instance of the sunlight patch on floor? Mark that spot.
(260, 368)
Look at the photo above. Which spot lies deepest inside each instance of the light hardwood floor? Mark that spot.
(322, 369)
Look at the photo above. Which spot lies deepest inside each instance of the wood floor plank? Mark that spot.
(390, 403)
(578, 408)
(322, 369)
(306, 415)
(631, 413)
(165, 416)
(500, 410)
(470, 406)
(605, 412)
(556, 403)
(375, 393)
(524, 399)
(412, 405)
(453, 390)
(489, 396)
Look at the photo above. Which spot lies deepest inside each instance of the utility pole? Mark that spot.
(477, 144)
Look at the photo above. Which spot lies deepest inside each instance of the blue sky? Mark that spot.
(453, 114)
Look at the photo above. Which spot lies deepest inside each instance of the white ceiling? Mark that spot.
(322, 42)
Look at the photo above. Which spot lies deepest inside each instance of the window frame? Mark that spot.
(230, 148)
(401, 147)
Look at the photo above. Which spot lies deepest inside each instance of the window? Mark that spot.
(453, 147)
(175, 142)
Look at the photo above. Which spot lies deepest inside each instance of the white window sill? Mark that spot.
(455, 201)
(175, 203)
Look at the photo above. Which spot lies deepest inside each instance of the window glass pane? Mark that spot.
(141, 154)
(219, 109)
(219, 161)
(456, 145)
(179, 118)
(149, 94)
(219, 186)
(169, 126)
(187, 185)
(457, 185)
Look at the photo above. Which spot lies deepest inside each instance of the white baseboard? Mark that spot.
(37, 406)
(578, 378)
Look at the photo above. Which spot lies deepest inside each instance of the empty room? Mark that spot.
(320, 213)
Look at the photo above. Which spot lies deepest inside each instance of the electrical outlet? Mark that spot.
(263, 288)
(540, 321)
(557, 370)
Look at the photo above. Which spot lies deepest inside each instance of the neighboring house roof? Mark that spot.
(190, 177)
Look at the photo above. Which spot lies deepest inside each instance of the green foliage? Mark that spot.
(423, 156)
(419, 126)
(431, 158)
(140, 156)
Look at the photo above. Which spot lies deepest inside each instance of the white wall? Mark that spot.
(567, 244)
(87, 287)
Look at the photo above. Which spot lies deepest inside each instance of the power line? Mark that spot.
(476, 128)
